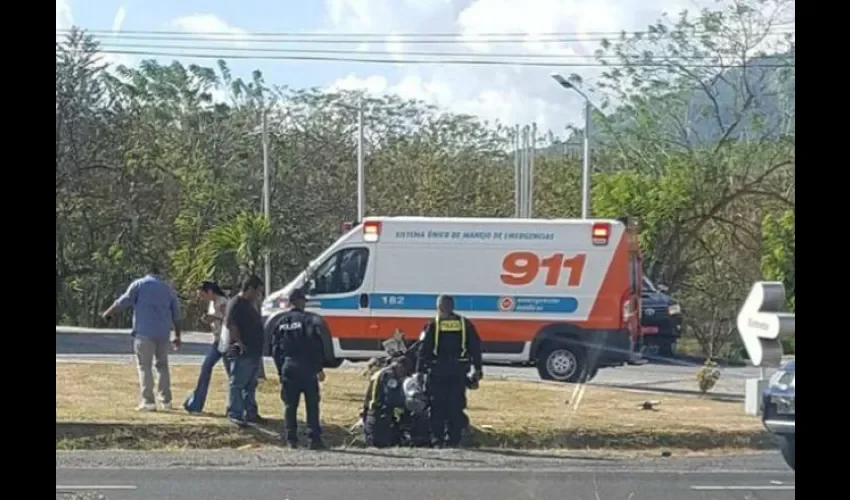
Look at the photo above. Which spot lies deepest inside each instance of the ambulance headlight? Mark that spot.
(674, 310)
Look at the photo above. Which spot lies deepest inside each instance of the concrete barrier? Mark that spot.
(83, 330)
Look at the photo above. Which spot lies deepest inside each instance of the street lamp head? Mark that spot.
(561, 80)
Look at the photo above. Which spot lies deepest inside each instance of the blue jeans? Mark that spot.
(242, 399)
(197, 398)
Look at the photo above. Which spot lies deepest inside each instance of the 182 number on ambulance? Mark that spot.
(522, 268)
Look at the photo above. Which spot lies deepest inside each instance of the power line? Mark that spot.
(274, 38)
(260, 50)
(470, 62)
(121, 46)
(354, 34)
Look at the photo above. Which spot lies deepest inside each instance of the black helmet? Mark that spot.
(297, 294)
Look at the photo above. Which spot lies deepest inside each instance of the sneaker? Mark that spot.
(166, 407)
(257, 420)
(237, 422)
(189, 410)
(317, 445)
(146, 407)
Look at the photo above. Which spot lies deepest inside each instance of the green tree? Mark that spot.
(778, 259)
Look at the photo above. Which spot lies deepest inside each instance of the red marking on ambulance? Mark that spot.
(506, 303)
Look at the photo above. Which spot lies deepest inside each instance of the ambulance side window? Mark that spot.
(343, 272)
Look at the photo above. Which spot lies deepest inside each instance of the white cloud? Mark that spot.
(215, 28)
(396, 46)
(65, 20)
(375, 84)
(118, 21)
(509, 94)
(206, 24)
(64, 16)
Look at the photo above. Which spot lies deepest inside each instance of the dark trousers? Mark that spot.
(379, 429)
(415, 429)
(448, 400)
(242, 398)
(296, 380)
(197, 398)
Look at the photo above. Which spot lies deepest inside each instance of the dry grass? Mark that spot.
(96, 409)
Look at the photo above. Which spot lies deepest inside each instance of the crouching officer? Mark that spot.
(450, 344)
(383, 405)
(299, 355)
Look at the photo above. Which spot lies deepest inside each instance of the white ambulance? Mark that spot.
(560, 294)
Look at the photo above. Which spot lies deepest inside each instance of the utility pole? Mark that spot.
(266, 201)
(517, 173)
(585, 164)
(532, 153)
(523, 169)
(361, 181)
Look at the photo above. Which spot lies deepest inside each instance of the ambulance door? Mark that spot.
(340, 290)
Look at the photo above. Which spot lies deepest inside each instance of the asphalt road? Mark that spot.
(660, 375)
(748, 477)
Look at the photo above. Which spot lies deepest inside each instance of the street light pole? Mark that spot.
(585, 167)
(267, 265)
(585, 163)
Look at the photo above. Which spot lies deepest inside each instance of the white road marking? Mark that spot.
(602, 470)
(744, 488)
(102, 487)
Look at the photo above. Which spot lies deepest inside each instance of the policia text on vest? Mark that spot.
(450, 344)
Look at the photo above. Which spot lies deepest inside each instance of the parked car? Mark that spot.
(778, 409)
(660, 319)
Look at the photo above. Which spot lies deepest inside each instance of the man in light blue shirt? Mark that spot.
(155, 310)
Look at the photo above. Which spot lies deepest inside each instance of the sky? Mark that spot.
(509, 94)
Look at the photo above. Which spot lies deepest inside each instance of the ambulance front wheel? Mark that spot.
(562, 362)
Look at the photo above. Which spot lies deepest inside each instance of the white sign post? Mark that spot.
(761, 322)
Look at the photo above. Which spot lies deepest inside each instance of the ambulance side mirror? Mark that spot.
(663, 288)
(311, 287)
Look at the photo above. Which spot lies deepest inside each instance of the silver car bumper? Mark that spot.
(780, 426)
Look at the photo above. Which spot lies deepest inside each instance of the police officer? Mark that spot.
(450, 344)
(298, 353)
(383, 404)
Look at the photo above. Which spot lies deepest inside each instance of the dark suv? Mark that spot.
(779, 408)
(660, 319)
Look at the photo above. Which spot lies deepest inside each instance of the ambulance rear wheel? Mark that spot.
(562, 362)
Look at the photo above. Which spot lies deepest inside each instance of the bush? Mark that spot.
(707, 376)
(788, 345)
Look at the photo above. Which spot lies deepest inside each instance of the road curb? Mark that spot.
(149, 437)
